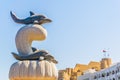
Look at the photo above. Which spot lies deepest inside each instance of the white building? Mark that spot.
(88, 75)
(110, 73)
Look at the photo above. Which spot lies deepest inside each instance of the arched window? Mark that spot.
(107, 73)
(113, 78)
(113, 72)
(95, 77)
(118, 77)
(103, 74)
(116, 71)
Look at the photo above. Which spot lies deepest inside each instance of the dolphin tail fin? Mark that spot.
(16, 56)
(15, 18)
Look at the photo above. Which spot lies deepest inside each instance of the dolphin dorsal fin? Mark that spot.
(32, 13)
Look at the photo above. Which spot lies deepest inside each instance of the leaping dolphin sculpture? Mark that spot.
(36, 56)
(33, 19)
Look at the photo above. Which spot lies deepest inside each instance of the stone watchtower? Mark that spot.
(32, 64)
(105, 63)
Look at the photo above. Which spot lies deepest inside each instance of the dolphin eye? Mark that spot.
(42, 17)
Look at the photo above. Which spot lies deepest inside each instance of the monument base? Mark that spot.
(33, 70)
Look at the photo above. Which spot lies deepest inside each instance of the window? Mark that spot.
(95, 77)
(113, 78)
(103, 74)
(107, 73)
(113, 72)
(78, 70)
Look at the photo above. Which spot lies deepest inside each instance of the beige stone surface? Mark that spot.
(26, 35)
(33, 70)
(105, 63)
(73, 73)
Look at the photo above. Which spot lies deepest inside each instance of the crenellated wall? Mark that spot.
(80, 69)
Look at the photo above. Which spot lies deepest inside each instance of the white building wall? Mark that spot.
(88, 75)
(111, 73)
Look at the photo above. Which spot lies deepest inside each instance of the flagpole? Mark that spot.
(106, 55)
(104, 51)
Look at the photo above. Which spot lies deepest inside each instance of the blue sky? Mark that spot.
(80, 30)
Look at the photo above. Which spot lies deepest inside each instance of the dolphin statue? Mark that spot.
(36, 56)
(26, 35)
(32, 19)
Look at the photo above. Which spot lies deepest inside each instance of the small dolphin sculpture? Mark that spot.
(33, 19)
(36, 56)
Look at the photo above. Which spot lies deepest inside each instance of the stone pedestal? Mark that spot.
(33, 70)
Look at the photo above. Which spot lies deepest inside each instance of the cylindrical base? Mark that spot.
(33, 70)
